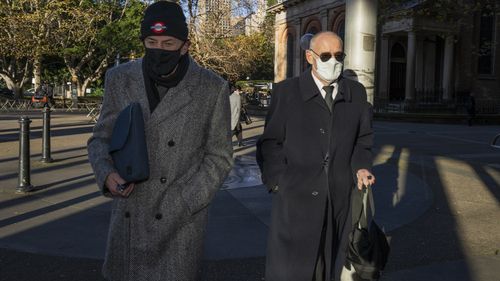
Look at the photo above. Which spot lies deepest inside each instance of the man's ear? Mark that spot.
(309, 57)
(185, 47)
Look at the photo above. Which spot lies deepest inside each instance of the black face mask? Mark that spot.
(160, 62)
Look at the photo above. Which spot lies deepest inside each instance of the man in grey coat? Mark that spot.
(157, 226)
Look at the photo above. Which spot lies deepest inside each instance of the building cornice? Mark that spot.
(283, 5)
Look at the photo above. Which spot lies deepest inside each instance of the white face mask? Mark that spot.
(330, 70)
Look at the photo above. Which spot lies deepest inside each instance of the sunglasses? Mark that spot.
(324, 57)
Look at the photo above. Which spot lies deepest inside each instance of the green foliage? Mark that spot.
(271, 2)
(441, 10)
(54, 70)
(97, 92)
(84, 36)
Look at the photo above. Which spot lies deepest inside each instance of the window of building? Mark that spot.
(486, 43)
(290, 42)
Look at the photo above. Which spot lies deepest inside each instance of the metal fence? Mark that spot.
(92, 107)
(431, 102)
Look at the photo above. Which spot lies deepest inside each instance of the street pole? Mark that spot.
(74, 93)
(24, 181)
(46, 136)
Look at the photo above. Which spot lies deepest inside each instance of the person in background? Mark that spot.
(470, 105)
(236, 104)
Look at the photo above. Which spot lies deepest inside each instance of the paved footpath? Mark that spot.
(437, 196)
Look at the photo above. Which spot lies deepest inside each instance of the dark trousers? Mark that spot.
(238, 132)
(320, 269)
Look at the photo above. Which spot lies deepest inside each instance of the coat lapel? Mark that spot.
(310, 91)
(344, 92)
(137, 89)
(179, 96)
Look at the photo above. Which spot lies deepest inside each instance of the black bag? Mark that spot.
(368, 247)
(128, 145)
(244, 117)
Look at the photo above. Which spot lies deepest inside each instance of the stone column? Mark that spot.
(297, 50)
(383, 73)
(430, 64)
(410, 67)
(448, 67)
(277, 55)
(419, 67)
(359, 45)
(324, 19)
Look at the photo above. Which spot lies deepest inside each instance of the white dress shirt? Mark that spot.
(320, 87)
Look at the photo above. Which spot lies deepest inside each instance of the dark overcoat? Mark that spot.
(309, 157)
(157, 233)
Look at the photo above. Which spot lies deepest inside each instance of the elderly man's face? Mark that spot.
(167, 43)
(323, 47)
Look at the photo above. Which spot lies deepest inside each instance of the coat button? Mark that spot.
(315, 193)
(158, 216)
(171, 143)
(163, 179)
(127, 214)
(321, 130)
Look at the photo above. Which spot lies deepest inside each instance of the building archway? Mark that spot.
(338, 25)
(290, 46)
(398, 73)
(287, 53)
(312, 27)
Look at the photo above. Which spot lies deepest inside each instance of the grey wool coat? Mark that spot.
(157, 233)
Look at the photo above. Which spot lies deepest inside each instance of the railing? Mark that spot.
(434, 105)
(92, 108)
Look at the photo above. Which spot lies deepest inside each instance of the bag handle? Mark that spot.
(365, 219)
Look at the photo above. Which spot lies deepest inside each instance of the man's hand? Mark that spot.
(112, 182)
(365, 178)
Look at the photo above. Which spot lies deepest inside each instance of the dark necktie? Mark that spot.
(329, 96)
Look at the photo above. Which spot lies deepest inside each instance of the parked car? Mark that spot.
(7, 93)
(29, 93)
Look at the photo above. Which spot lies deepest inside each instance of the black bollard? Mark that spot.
(24, 182)
(46, 136)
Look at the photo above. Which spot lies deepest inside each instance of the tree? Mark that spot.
(90, 34)
(442, 10)
(218, 40)
(17, 43)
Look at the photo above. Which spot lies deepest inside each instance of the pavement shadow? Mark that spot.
(48, 209)
(53, 167)
(432, 236)
(36, 155)
(488, 181)
(52, 126)
(50, 189)
(54, 133)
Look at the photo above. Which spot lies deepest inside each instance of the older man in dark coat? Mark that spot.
(157, 226)
(315, 149)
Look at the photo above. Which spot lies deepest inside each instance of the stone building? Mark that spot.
(255, 20)
(215, 17)
(410, 60)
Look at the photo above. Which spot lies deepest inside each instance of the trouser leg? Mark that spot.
(319, 270)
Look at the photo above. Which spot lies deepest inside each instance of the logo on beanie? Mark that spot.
(158, 27)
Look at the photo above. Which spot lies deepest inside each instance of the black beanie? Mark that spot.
(164, 18)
